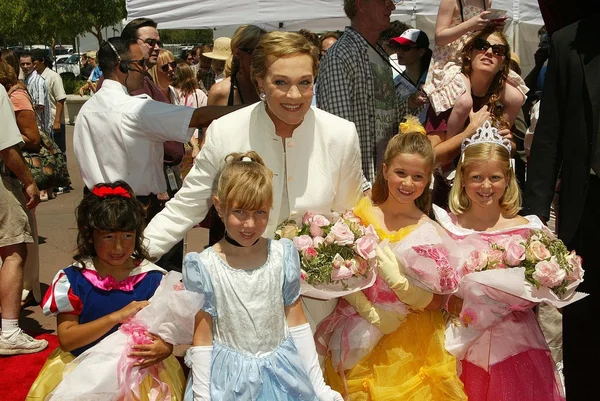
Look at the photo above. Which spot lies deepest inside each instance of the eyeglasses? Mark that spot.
(152, 42)
(404, 48)
(484, 45)
(165, 67)
(140, 62)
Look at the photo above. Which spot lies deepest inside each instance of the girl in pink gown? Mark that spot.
(507, 357)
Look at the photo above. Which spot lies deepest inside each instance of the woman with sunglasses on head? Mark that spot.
(486, 62)
(447, 86)
(413, 53)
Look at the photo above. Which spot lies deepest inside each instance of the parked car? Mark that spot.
(68, 63)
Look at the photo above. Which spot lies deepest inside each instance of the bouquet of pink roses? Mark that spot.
(337, 254)
(512, 273)
(549, 269)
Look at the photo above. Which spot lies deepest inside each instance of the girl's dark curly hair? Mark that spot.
(492, 96)
(109, 213)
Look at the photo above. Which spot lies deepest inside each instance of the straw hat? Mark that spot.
(91, 54)
(221, 49)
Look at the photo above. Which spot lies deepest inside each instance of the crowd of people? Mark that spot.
(264, 127)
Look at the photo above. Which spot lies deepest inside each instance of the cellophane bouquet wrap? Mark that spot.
(337, 253)
(428, 257)
(513, 273)
(106, 373)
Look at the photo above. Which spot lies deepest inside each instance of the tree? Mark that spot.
(51, 21)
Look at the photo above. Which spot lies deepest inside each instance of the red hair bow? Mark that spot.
(103, 192)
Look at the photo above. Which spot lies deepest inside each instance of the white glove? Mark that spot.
(303, 339)
(199, 360)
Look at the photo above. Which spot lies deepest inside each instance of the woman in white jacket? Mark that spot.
(314, 155)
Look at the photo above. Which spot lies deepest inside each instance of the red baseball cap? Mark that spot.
(412, 37)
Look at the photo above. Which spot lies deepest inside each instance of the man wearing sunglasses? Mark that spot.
(120, 137)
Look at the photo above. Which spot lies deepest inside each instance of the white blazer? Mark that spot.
(322, 170)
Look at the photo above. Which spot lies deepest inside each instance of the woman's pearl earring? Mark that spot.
(262, 96)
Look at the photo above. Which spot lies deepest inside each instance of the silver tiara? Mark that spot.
(486, 133)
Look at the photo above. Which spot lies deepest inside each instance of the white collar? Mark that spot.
(144, 267)
(445, 220)
(113, 84)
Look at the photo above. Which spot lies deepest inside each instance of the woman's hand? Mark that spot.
(478, 22)
(476, 120)
(150, 354)
(130, 310)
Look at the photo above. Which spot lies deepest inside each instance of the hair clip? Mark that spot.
(412, 124)
(104, 191)
(486, 134)
(246, 159)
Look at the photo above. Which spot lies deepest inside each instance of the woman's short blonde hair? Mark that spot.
(278, 44)
(164, 56)
(245, 183)
(510, 202)
(245, 37)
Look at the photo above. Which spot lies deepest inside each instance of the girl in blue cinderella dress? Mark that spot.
(251, 338)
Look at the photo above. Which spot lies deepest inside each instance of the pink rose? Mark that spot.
(342, 273)
(178, 286)
(307, 218)
(303, 275)
(318, 241)
(369, 231)
(353, 265)
(351, 217)
(335, 216)
(514, 251)
(549, 273)
(320, 220)
(342, 234)
(537, 251)
(363, 266)
(337, 261)
(495, 259)
(365, 247)
(315, 230)
(309, 253)
(302, 242)
(476, 261)
(574, 261)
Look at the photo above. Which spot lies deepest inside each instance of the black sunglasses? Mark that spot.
(165, 67)
(404, 48)
(483, 45)
(152, 42)
(140, 62)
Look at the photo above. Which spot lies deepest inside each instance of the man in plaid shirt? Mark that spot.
(355, 81)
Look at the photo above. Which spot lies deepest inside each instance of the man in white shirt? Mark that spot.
(17, 191)
(38, 91)
(57, 94)
(120, 137)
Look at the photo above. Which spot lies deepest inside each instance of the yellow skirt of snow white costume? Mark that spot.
(410, 364)
(51, 373)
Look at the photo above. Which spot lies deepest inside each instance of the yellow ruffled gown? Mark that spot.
(410, 364)
(51, 375)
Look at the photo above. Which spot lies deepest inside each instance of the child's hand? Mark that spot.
(476, 120)
(130, 310)
(478, 22)
(417, 99)
(149, 354)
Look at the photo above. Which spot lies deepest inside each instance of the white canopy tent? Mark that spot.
(324, 15)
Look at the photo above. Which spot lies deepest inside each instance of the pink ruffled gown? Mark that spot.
(511, 360)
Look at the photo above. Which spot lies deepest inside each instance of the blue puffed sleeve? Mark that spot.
(197, 279)
(291, 272)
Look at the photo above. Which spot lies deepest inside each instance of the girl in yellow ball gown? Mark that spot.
(409, 361)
